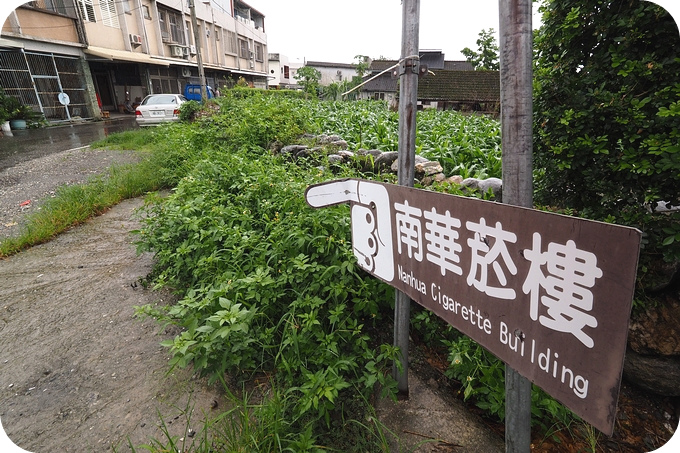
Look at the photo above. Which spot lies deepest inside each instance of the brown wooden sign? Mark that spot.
(548, 294)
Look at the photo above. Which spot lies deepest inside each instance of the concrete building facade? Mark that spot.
(108, 54)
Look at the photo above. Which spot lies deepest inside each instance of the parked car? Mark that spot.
(159, 108)
(193, 92)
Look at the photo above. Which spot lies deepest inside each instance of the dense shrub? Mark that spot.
(269, 285)
(607, 118)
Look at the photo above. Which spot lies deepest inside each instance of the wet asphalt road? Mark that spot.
(30, 144)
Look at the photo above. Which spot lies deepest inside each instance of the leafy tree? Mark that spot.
(607, 118)
(361, 63)
(486, 59)
(309, 78)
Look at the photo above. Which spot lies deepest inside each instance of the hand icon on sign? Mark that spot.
(371, 221)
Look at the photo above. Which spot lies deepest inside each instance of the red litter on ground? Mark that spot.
(25, 203)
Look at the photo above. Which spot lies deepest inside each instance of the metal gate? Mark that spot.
(38, 78)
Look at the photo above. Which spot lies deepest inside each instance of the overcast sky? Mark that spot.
(338, 30)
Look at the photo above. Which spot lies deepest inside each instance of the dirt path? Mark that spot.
(77, 371)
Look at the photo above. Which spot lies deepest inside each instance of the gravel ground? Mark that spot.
(25, 186)
(78, 371)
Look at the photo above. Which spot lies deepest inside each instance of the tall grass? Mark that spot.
(74, 204)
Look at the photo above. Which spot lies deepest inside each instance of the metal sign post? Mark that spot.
(408, 104)
(516, 142)
(199, 57)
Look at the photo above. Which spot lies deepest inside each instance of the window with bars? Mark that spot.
(172, 26)
(56, 6)
(243, 48)
(109, 16)
(259, 54)
(87, 10)
(231, 45)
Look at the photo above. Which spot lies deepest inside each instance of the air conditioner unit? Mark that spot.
(186, 72)
(176, 51)
(135, 39)
(192, 50)
(165, 36)
(185, 51)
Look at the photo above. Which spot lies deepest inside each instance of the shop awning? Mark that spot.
(250, 73)
(173, 61)
(122, 55)
(10, 43)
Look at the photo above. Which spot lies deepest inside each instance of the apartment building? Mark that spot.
(108, 54)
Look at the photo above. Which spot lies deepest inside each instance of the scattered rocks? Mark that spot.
(653, 357)
(484, 185)
(334, 148)
(385, 160)
(656, 331)
(656, 374)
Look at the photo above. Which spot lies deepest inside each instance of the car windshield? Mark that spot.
(160, 99)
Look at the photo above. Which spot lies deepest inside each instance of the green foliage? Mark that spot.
(308, 77)
(262, 421)
(4, 106)
(269, 285)
(188, 110)
(482, 377)
(293, 300)
(361, 65)
(486, 58)
(607, 122)
(465, 145)
(11, 108)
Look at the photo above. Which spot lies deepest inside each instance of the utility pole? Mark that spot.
(199, 58)
(409, 68)
(516, 142)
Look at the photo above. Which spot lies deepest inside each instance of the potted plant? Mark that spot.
(18, 113)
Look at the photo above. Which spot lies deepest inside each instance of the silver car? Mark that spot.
(159, 108)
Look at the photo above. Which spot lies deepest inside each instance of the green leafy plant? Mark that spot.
(188, 110)
(482, 379)
(606, 119)
(4, 106)
(269, 286)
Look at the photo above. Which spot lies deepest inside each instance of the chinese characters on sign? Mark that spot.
(550, 295)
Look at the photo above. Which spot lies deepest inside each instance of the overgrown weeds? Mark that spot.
(74, 204)
(267, 284)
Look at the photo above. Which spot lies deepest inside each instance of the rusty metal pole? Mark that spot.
(516, 140)
(409, 68)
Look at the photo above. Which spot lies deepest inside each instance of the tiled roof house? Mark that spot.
(456, 87)
(461, 90)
